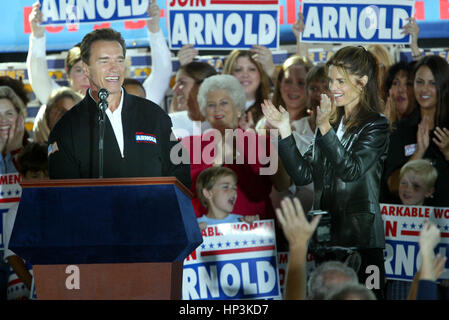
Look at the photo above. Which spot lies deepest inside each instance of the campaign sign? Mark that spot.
(10, 192)
(359, 21)
(403, 225)
(62, 12)
(223, 24)
(235, 261)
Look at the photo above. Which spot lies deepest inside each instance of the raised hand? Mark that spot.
(302, 49)
(35, 19)
(186, 54)
(323, 113)
(298, 231)
(15, 139)
(429, 237)
(422, 138)
(4, 137)
(294, 223)
(279, 119)
(438, 265)
(411, 28)
(155, 14)
(298, 26)
(264, 56)
(442, 141)
(428, 240)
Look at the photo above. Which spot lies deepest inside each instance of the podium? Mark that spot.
(107, 239)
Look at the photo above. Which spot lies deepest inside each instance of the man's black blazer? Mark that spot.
(73, 143)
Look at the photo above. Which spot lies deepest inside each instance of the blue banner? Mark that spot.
(356, 21)
(432, 17)
(60, 12)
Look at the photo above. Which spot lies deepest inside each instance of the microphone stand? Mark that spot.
(102, 105)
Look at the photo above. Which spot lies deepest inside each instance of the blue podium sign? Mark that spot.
(81, 222)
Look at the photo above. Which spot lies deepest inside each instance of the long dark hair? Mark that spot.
(360, 62)
(394, 69)
(440, 70)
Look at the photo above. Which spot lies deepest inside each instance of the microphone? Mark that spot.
(102, 105)
(103, 94)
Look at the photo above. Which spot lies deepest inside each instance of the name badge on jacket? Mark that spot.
(409, 149)
(142, 137)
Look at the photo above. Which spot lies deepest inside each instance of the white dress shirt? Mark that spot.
(116, 122)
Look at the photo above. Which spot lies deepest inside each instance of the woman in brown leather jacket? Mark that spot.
(346, 159)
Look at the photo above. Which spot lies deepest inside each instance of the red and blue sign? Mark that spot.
(403, 225)
(60, 12)
(224, 24)
(235, 261)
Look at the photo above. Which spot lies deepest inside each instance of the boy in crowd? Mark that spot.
(417, 182)
(217, 191)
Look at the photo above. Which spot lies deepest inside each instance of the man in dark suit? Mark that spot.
(137, 131)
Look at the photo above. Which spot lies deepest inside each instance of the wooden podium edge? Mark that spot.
(138, 181)
(116, 281)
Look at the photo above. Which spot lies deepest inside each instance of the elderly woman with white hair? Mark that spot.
(12, 128)
(221, 99)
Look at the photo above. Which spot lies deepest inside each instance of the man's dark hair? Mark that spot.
(105, 34)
